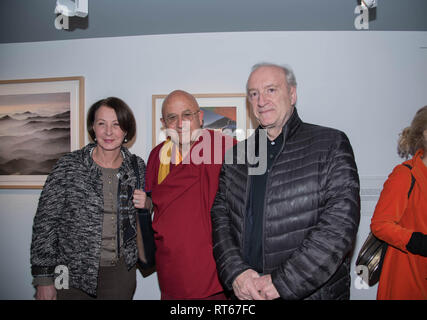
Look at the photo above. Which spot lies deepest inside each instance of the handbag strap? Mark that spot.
(412, 179)
(135, 166)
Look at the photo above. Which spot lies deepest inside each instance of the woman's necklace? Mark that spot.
(114, 164)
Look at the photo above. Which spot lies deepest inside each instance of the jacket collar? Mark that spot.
(292, 125)
(288, 130)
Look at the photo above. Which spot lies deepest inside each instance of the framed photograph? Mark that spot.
(227, 112)
(40, 121)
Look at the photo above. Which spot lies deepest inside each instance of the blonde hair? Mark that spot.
(412, 138)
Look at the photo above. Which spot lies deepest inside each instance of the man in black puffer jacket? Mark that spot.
(285, 227)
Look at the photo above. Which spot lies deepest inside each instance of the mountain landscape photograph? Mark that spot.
(34, 132)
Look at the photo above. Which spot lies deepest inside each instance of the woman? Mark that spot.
(85, 220)
(400, 218)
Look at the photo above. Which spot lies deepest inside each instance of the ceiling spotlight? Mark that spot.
(71, 8)
(369, 3)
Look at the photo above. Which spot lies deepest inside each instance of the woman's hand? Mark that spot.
(46, 292)
(139, 199)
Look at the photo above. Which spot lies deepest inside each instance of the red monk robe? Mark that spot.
(182, 222)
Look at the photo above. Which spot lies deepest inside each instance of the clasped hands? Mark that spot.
(249, 285)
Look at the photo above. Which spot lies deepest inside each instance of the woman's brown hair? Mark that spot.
(412, 138)
(124, 116)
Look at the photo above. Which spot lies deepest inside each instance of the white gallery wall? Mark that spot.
(368, 84)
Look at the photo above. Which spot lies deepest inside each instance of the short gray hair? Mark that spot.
(289, 74)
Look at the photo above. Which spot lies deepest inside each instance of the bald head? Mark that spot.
(182, 117)
(180, 97)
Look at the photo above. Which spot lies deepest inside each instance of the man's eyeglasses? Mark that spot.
(185, 116)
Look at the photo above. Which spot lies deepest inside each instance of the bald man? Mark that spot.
(182, 176)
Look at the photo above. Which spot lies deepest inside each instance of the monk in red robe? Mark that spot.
(182, 176)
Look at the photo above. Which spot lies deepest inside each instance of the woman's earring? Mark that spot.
(94, 139)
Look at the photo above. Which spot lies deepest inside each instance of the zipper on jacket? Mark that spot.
(245, 213)
(263, 219)
(265, 197)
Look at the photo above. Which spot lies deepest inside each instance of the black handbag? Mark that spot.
(373, 250)
(372, 257)
(144, 229)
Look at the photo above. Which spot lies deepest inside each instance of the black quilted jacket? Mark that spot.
(67, 226)
(311, 214)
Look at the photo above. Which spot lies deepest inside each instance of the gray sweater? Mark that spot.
(67, 227)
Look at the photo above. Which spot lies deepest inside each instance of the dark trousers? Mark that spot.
(114, 283)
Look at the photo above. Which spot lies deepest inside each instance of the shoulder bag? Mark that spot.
(373, 250)
(144, 229)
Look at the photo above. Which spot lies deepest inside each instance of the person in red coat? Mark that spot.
(182, 176)
(401, 221)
